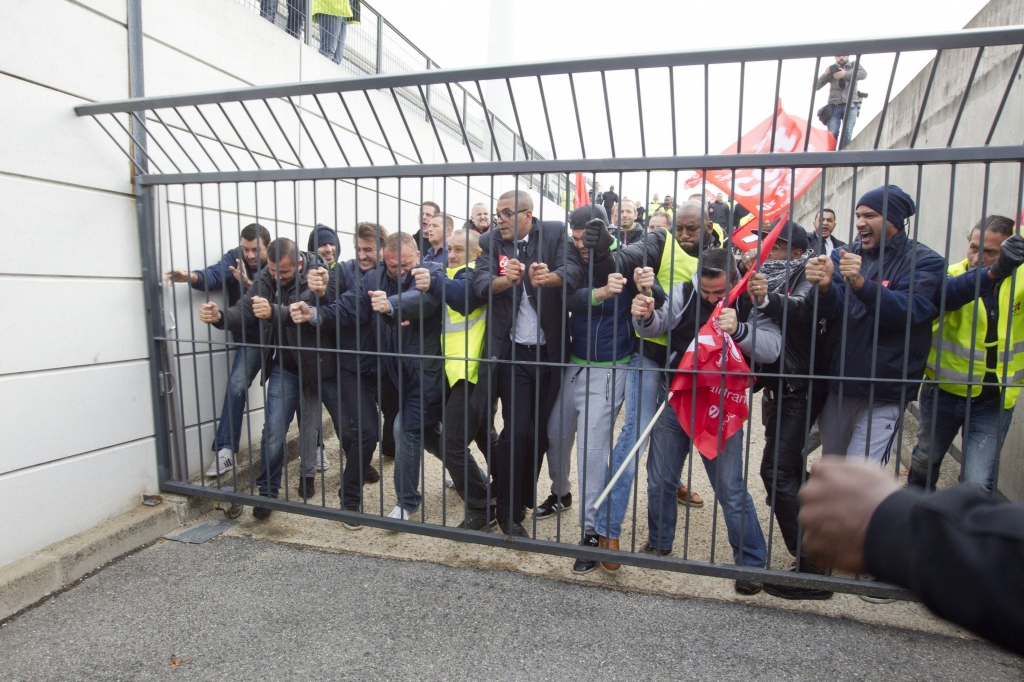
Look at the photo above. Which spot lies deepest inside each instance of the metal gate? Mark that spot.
(372, 149)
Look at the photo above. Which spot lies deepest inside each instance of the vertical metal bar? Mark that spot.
(373, 110)
(355, 128)
(380, 44)
(967, 93)
(490, 123)
(547, 119)
(608, 113)
(430, 118)
(519, 125)
(885, 103)
(465, 137)
(1006, 94)
(924, 100)
(408, 130)
(810, 110)
(576, 110)
(640, 117)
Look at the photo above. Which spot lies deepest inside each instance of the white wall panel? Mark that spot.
(103, 75)
(45, 504)
(53, 415)
(44, 138)
(51, 229)
(60, 322)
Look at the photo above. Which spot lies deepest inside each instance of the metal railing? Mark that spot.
(374, 46)
(343, 152)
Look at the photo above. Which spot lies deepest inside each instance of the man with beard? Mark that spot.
(821, 240)
(233, 274)
(629, 231)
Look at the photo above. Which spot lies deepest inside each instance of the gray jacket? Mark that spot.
(768, 337)
(839, 89)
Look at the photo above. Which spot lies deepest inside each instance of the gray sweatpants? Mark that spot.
(846, 433)
(571, 420)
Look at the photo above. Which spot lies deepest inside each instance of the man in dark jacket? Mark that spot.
(407, 315)
(790, 401)
(871, 293)
(720, 211)
(285, 367)
(520, 274)
(843, 79)
(822, 241)
(959, 550)
(233, 275)
(609, 198)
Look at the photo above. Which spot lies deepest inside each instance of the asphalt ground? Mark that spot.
(243, 609)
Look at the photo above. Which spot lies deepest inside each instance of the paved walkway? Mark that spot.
(243, 609)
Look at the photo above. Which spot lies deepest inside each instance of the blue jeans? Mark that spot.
(244, 369)
(282, 403)
(333, 31)
(408, 455)
(296, 13)
(644, 384)
(836, 122)
(669, 446)
(982, 441)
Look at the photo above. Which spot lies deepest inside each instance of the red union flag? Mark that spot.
(582, 197)
(776, 183)
(708, 405)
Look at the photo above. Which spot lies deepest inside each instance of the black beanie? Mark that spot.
(321, 235)
(900, 205)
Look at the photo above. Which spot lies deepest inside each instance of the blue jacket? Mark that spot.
(217, 277)
(602, 332)
(886, 292)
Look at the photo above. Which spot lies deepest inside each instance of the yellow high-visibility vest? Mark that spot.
(959, 364)
(463, 337)
(676, 266)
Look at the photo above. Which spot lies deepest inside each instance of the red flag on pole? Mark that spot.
(779, 190)
(719, 405)
(582, 193)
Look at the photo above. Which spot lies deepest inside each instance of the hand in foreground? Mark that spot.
(836, 505)
(209, 313)
(514, 271)
(301, 312)
(819, 271)
(643, 307)
(180, 276)
(644, 279)
(616, 283)
(849, 269)
(757, 288)
(728, 321)
(239, 273)
(317, 280)
(1011, 256)
(539, 275)
(421, 276)
(261, 308)
(596, 236)
(379, 302)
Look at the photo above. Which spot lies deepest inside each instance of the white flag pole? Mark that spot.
(632, 453)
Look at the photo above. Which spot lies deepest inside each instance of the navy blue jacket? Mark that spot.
(458, 292)
(218, 276)
(886, 292)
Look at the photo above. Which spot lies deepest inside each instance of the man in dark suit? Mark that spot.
(821, 240)
(520, 274)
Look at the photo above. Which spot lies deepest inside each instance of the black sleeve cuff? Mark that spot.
(887, 545)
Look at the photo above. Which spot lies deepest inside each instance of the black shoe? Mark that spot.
(352, 525)
(478, 523)
(584, 566)
(371, 475)
(261, 513)
(307, 485)
(747, 587)
(513, 528)
(790, 592)
(647, 549)
(552, 506)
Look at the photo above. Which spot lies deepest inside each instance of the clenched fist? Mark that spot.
(819, 271)
(643, 307)
(514, 271)
(644, 279)
(728, 321)
(849, 269)
(616, 283)
(301, 312)
(379, 302)
(757, 287)
(209, 313)
(317, 280)
(261, 308)
(421, 276)
(539, 275)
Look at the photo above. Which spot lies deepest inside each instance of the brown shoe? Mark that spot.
(695, 499)
(608, 543)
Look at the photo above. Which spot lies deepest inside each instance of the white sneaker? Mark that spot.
(449, 482)
(322, 463)
(225, 459)
(399, 513)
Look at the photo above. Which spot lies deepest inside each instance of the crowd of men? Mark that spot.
(415, 343)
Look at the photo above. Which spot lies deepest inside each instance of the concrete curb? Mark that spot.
(33, 578)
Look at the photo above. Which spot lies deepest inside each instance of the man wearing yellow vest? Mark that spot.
(975, 348)
(465, 416)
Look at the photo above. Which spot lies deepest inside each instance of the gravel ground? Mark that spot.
(306, 531)
(240, 609)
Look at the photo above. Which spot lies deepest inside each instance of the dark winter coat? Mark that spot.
(218, 277)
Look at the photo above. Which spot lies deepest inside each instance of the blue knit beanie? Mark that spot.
(321, 235)
(900, 205)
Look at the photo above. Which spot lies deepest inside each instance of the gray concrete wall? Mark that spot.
(948, 205)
